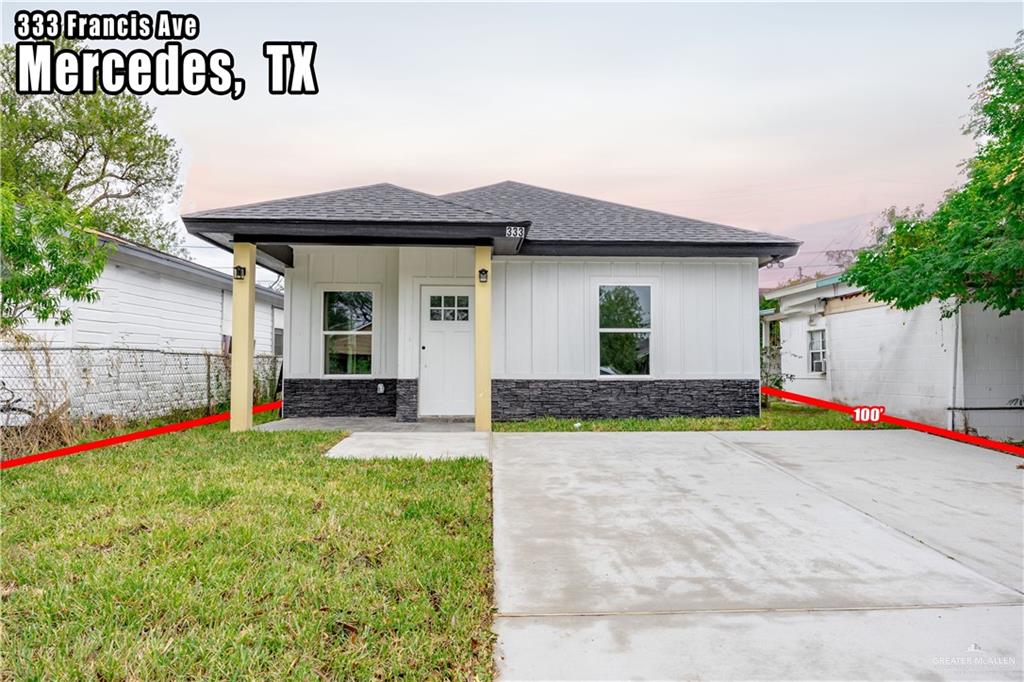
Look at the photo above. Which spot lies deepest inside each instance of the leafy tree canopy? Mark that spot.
(98, 152)
(49, 258)
(971, 248)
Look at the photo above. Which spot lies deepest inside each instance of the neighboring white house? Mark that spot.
(958, 372)
(143, 344)
(509, 300)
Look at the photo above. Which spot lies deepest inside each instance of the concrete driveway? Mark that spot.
(756, 555)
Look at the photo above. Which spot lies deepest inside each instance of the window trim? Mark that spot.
(273, 342)
(823, 351)
(597, 329)
(375, 334)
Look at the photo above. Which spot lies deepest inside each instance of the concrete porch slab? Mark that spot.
(370, 445)
(358, 424)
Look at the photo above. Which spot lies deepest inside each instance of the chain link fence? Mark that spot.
(123, 383)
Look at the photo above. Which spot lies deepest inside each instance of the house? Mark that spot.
(142, 347)
(959, 372)
(507, 301)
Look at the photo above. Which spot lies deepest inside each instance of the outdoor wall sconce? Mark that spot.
(483, 275)
(239, 272)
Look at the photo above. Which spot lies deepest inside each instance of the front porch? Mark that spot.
(379, 335)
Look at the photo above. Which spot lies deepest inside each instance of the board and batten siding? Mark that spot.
(396, 272)
(704, 316)
(704, 326)
(319, 268)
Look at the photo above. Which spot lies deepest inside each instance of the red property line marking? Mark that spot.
(896, 421)
(125, 438)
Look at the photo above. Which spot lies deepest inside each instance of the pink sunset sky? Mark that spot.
(801, 119)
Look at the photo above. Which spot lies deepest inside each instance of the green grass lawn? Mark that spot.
(248, 556)
(779, 416)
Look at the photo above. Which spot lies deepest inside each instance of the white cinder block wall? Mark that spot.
(993, 371)
(900, 359)
(704, 323)
(910, 361)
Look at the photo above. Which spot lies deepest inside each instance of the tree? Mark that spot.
(97, 151)
(971, 248)
(48, 259)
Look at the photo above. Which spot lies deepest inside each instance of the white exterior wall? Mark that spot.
(793, 356)
(142, 306)
(900, 359)
(145, 307)
(993, 371)
(419, 266)
(704, 325)
(704, 316)
(903, 360)
(909, 361)
(321, 267)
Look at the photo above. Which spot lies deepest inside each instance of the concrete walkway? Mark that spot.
(786, 555)
(369, 445)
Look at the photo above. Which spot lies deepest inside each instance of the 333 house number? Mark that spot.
(513, 232)
(868, 414)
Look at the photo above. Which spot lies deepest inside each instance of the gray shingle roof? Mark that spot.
(558, 216)
(382, 202)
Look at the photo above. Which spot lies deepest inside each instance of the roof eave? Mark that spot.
(192, 271)
(763, 251)
(274, 237)
(803, 286)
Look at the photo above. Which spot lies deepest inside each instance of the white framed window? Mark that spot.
(816, 351)
(347, 331)
(278, 342)
(624, 330)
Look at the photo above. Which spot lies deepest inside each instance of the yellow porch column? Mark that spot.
(482, 339)
(243, 310)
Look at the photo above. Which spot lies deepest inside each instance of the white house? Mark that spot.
(958, 372)
(143, 346)
(506, 300)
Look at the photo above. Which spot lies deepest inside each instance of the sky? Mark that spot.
(806, 120)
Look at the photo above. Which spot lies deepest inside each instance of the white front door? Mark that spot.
(446, 351)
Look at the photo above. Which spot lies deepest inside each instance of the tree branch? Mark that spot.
(117, 195)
